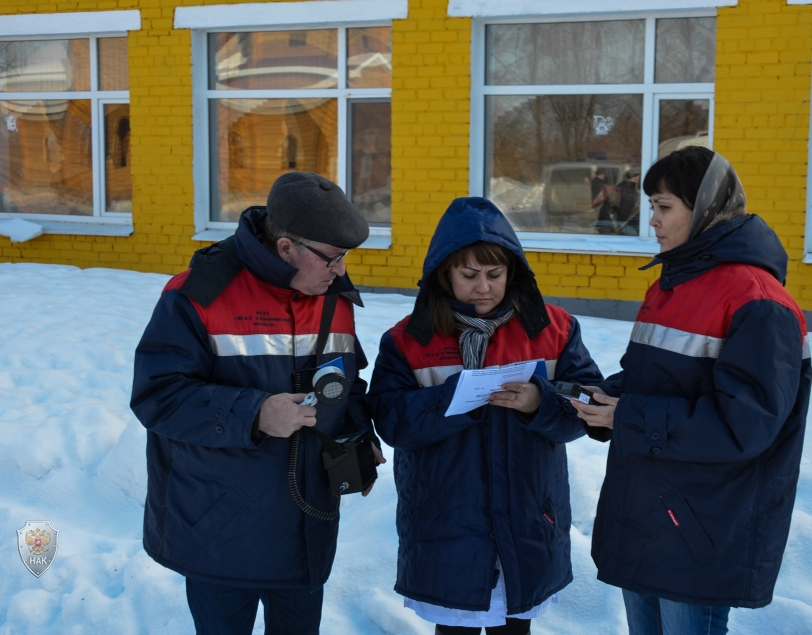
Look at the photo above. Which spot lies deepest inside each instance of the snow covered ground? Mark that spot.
(71, 452)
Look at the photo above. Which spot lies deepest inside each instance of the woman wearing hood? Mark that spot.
(483, 514)
(707, 416)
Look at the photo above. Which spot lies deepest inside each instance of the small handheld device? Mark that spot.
(349, 460)
(575, 391)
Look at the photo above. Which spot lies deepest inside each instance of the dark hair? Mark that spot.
(680, 173)
(439, 284)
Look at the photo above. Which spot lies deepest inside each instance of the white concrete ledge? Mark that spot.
(506, 8)
(589, 244)
(85, 229)
(280, 14)
(799, 1)
(74, 23)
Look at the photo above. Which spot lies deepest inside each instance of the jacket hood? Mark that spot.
(745, 239)
(269, 267)
(465, 222)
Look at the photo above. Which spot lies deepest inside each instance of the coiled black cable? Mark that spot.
(294, 486)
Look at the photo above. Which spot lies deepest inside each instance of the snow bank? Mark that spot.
(71, 452)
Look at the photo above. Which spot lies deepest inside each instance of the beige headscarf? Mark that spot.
(720, 196)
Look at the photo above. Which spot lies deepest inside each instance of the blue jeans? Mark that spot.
(227, 610)
(648, 615)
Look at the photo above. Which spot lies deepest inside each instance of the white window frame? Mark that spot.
(86, 25)
(645, 244)
(332, 14)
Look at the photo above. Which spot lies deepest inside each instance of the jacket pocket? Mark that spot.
(684, 520)
(550, 519)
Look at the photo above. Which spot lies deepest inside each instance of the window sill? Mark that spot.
(483, 9)
(79, 228)
(609, 245)
(379, 237)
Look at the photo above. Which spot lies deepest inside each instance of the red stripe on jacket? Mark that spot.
(706, 304)
(243, 308)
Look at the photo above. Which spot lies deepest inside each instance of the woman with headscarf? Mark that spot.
(707, 416)
(483, 514)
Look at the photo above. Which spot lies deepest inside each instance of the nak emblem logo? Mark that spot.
(37, 542)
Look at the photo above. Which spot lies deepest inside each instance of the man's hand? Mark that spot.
(522, 397)
(602, 416)
(380, 461)
(281, 415)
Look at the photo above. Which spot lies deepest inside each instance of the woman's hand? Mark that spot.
(522, 397)
(602, 416)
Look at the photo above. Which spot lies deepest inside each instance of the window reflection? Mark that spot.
(273, 60)
(556, 163)
(685, 50)
(609, 52)
(113, 65)
(48, 65)
(117, 177)
(369, 57)
(254, 141)
(45, 157)
(371, 185)
(683, 122)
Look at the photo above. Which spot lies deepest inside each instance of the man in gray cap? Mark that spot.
(215, 386)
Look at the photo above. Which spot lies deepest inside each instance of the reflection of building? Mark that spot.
(138, 141)
(259, 140)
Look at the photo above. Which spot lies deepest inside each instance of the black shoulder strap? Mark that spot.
(327, 312)
(213, 268)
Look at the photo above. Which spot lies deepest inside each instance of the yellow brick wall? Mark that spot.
(763, 55)
(764, 49)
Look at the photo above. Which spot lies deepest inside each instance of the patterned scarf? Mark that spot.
(476, 332)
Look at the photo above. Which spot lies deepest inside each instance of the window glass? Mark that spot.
(558, 163)
(48, 65)
(113, 66)
(273, 60)
(46, 157)
(371, 148)
(609, 52)
(118, 183)
(369, 57)
(683, 122)
(254, 141)
(686, 50)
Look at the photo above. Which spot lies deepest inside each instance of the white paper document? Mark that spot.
(475, 386)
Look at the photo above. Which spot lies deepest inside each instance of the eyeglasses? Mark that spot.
(331, 261)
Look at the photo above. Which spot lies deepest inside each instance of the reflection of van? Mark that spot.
(678, 143)
(568, 190)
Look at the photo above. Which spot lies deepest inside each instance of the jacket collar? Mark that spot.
(744, 239)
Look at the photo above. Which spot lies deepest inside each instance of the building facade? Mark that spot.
(135, 131)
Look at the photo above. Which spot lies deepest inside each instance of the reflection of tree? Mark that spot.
(683, 117)
(686, 50)
(610, 52)
(527, 133)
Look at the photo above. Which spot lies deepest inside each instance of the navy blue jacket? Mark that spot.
(708, 433)
(492, 481)
(218, 506)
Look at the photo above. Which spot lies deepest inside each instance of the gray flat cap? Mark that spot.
(315, 208)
